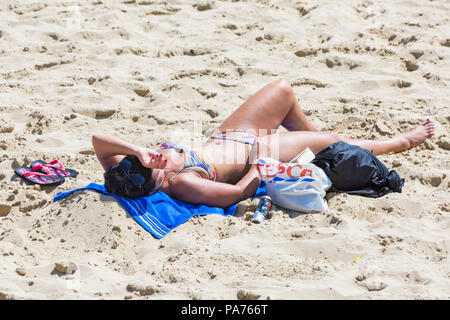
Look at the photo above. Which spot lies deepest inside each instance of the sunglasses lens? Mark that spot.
(126, 165)
(137, 179)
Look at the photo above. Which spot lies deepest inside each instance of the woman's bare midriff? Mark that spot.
(230, 158)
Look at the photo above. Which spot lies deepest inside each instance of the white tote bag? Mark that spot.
(296, 186)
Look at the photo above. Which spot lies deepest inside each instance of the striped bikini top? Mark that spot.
(191, 159)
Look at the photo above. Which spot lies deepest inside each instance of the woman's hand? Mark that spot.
(151, 159)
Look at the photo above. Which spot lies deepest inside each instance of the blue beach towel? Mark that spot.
(159, 213)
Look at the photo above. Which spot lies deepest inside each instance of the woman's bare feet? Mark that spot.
(418, 136)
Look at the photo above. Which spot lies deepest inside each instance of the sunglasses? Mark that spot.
(135, 178)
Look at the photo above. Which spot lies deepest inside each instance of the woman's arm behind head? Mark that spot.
(111, 150)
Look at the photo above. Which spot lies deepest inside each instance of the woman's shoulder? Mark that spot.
(181, 181)
(178, 184)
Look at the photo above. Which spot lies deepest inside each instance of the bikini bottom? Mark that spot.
(238, 136)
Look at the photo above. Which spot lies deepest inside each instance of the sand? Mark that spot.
(146, 71)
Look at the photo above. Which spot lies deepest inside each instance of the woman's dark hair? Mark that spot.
(118, 181)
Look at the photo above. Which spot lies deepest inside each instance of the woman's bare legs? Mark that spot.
(276, 105)
(266, 110)
(400, 143)
(286, 145)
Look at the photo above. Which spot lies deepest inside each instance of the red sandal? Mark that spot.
(56, 168)
(38, 177)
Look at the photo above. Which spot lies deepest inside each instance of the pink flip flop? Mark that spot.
(38, 177)
(55, 167)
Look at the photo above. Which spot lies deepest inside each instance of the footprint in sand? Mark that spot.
(432, 177)
(416, 53)
(6, 127)
(309, 82)
(247, 295)
(142, 92)
(183, 52)
(163, 11)
(332, 62)
(411, 66)
(305, 53)
(32, 204)
(133, 50)
(434, 79)
(207, 95)
(303, 9)
(51, 64)
(445, 43)
(212, 113)
(142, 289)
(444, 143)
(4, 209)
(94, 112)
(407, 40)
(205, 5)
(336, 62)
(199, 73)
(104, 113)
(418, 278)
(369, 277)
(402, 84)
(230, 26)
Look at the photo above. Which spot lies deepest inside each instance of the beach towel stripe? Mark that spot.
(144, 218)
(149, 219)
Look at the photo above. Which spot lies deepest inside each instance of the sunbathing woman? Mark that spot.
(202, 175)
